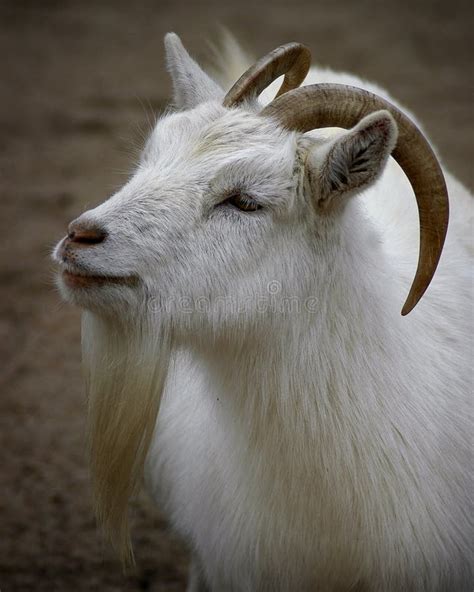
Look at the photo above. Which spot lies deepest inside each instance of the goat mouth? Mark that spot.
(79, 280)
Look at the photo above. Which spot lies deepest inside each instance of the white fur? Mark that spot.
(309, 437)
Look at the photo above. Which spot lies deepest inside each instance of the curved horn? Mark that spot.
(336, 105)
(292, 60)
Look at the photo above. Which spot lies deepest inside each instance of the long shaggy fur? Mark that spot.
(125, 369)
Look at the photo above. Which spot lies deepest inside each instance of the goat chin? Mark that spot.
(125, 369)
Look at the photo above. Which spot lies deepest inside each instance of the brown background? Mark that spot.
(79, 83)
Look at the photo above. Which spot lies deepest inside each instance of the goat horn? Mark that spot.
(292, 60)
(336, 105)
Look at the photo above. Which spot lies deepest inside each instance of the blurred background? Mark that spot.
(80, 83)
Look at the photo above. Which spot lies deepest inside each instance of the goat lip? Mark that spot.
(80, 280)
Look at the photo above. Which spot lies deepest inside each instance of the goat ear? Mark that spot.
(352, 161)
(191, 85)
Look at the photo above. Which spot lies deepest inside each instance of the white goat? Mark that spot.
(246, 282)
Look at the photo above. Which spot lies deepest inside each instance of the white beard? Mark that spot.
(125, 369)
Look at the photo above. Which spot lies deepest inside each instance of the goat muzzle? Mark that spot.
(83, 235)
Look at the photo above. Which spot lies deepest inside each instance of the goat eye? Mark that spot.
(243, 202)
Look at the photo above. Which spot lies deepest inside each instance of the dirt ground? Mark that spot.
(79, 82)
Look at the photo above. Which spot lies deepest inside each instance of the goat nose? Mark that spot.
(90, 234)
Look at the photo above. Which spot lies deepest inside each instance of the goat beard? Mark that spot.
(125, 369)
